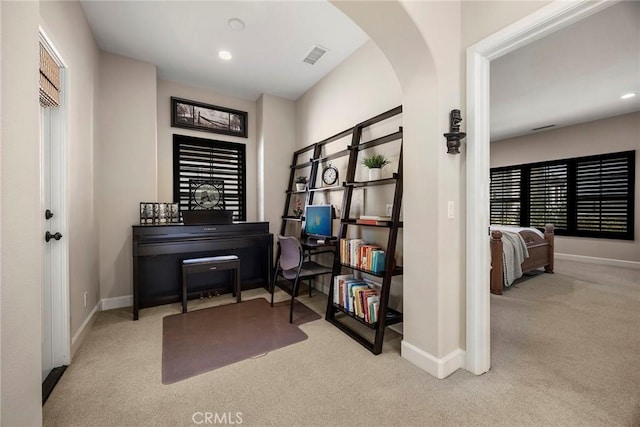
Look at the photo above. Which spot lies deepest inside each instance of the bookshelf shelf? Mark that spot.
(392, 317)
(335, 188)
(396, 271)
(384, 181)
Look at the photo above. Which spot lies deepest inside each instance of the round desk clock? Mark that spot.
(330, 175)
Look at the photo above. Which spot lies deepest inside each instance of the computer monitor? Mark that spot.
(318, 221)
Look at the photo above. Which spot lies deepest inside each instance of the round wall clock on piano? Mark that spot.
(330, 175)
(205, 194)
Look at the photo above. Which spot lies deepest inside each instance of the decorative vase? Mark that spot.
(374, 173)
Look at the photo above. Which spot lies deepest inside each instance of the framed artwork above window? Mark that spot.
(209, 118)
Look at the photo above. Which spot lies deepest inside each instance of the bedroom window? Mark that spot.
(505, 196)
(585, 196)
(222, 162)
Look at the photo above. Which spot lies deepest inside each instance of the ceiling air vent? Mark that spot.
(314, 54)
(543, 127)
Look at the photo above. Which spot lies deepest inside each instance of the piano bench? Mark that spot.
(211, 264)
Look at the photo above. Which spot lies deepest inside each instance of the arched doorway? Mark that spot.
(433, 303)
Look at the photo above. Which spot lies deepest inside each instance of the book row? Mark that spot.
(359, 254)
(358, 297)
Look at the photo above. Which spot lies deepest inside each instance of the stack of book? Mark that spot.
(374, 220)
(357, 253)
(358, 297)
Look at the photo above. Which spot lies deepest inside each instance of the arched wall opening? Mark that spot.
(433, 288)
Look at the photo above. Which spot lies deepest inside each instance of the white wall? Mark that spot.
(127, 166)
(621, 133)
(167, 89)
(21, 225)
(66, 25)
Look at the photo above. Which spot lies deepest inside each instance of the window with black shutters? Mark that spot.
(199, 159)
(585, 196)
(548, 196)
(604, 195)
(505, 196)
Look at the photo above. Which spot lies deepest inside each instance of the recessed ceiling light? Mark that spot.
(223, 54)
(628, 95)
(236, 24)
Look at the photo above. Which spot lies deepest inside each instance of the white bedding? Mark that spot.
(514, 229)
(514, 252)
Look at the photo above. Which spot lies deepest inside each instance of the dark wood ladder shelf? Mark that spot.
(386, 316)
(312, 157)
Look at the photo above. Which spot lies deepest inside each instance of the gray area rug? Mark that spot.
(203, 340)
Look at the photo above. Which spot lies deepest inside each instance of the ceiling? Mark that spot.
(182, 38)
(572, 76)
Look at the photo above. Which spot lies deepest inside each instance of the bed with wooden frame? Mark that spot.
(540, 254)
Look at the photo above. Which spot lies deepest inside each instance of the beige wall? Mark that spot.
(362, 86)
(167, 89)
(127, 165)
(65, 24)
(480, 19)
(621, 133)
(21, 225)
(276, 143)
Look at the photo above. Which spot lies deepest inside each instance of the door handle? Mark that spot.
(48, 236)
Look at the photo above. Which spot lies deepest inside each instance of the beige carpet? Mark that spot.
(565, 351)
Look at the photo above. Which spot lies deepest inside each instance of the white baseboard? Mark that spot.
(117, 302)
(438, 367)
(77, 338)
(602, 261)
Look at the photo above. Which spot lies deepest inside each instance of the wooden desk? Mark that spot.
(158, 251)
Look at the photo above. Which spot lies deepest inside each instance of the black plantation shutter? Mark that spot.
(206, 159)
(548, 196)
(505, 196)
(604, 195)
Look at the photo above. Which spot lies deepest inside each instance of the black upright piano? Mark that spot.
(158, 251)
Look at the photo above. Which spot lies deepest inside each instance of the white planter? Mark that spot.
(300, 187)
(374, 174)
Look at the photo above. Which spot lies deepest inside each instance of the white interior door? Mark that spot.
(56, 342)
(47, 302)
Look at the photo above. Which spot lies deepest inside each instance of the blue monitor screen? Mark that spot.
(318, 220)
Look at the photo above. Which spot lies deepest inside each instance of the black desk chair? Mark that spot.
(293, 267)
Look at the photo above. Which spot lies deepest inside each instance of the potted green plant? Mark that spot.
(301, 183)
(375, 163)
